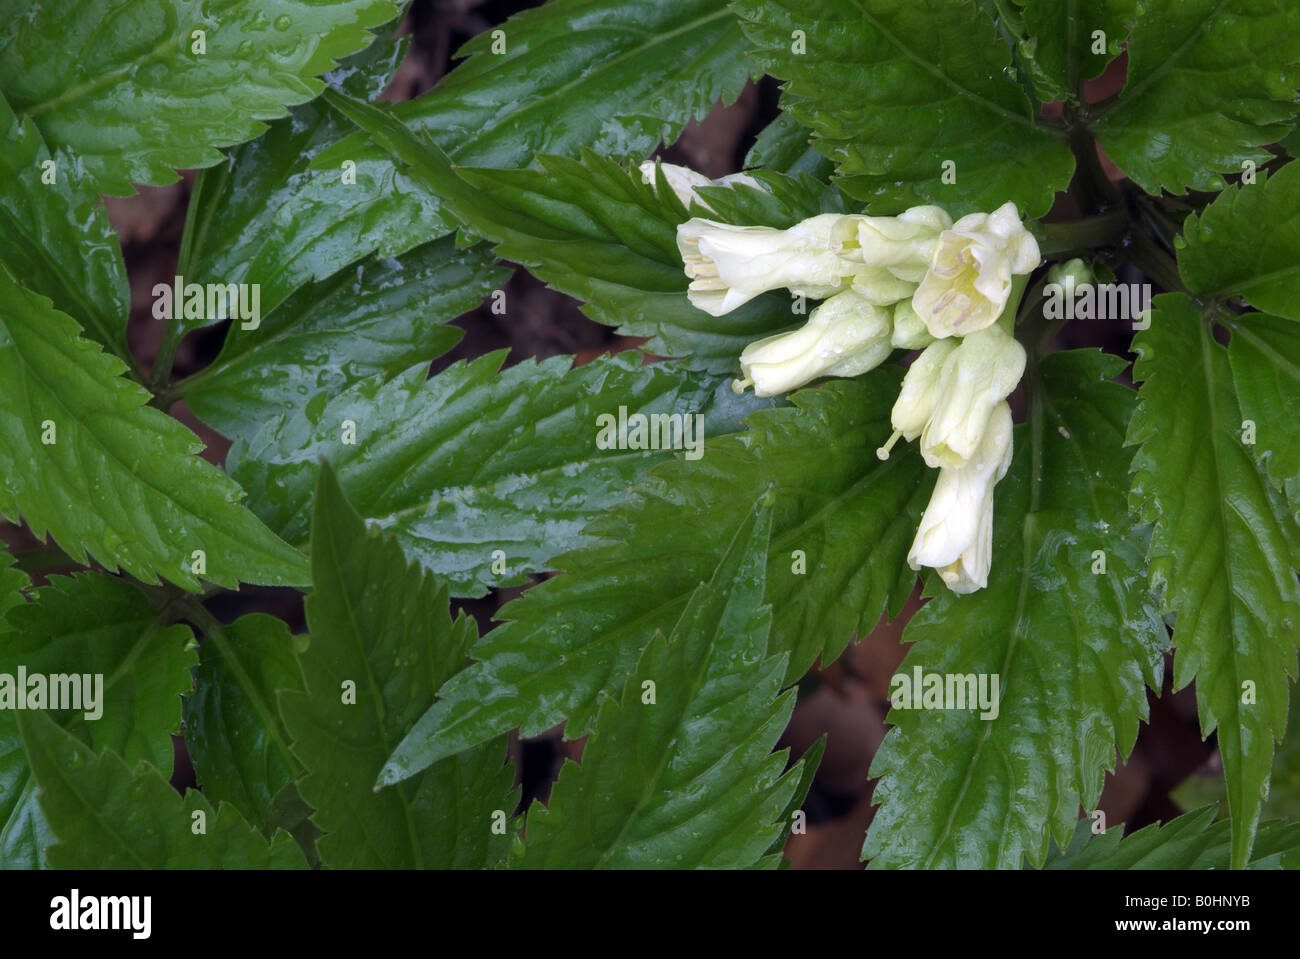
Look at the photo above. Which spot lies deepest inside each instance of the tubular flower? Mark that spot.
(981, 372)
(730, 265)
(919, 395)
(969, 279)
(684, 181)
(903, 244)
(956, 532)
(909, 331)
(845, 336)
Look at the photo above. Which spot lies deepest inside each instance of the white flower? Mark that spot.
(880, 286)
(845, 336)
(909, 331)
(919, 395)
(730, 265)
(903, 244)
(977, 375)
(969, 280)
(956, 532)
(684, 181)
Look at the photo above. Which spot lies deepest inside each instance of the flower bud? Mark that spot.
(921, 388)
(903, 244)
(977, 375)
(845, 336)
(879, 286)
(955, 535)
(969, 279)
(684, 181)
(909, 332)
(730, 265)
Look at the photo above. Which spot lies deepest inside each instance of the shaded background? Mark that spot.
(848, 700)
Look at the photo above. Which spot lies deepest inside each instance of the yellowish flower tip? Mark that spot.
(738, 386)
(883, 452)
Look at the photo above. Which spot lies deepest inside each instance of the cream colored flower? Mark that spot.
(845, 336)
(977, 375)
(919, 395)
(730, 265)
(956, 532)
(903, 244)
(909, 331)
(969, 280)
(684, 181)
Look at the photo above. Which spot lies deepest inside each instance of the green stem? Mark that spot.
(1082, 235)
(1097, 191)
(1143, 253)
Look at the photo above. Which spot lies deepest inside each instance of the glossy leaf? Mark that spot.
(382, 317)
(687, 779)
(568, 74)
(1061, 37)
(1225, 549)
(1073, 649)
(1265, 358)
(125, 88)
(842, 517)
(233, 729)
(108, 815)
(897, 89)
(1192, 841)
(266, 217)
(1210, 82)
(785, 145)
(1207, 785)
(120, 482)
(593, 230)
(384, 629)
(55, 238)
(12, 583)
(1247, 243)
(479, 459)
(87, 625)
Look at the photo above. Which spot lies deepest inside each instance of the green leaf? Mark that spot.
(385, 628)
(1073, 649)
(12, 583)
(108, 815)
(1225, 549)
(572, 73)
(1207, 785)
(380, 318)
(1210, 82)
(590, 229)
(478, 459)
(265, 217)
(785, 145)
(618, 76)
(688, 780)
(1265, 358)
(87, 625)
(55, 237)
(236, 738)
(572, 640)
(1191, 841)
(1247, 243)
(121, 481)
(895, 89)
(123, 86)
(1060, 37)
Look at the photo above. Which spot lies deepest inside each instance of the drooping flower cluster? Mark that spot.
(913, 281)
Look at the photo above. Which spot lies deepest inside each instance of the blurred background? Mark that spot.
(847, 701)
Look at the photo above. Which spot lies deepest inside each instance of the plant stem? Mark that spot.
(1082, 235)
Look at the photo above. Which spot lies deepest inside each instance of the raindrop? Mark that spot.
(283, 22)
